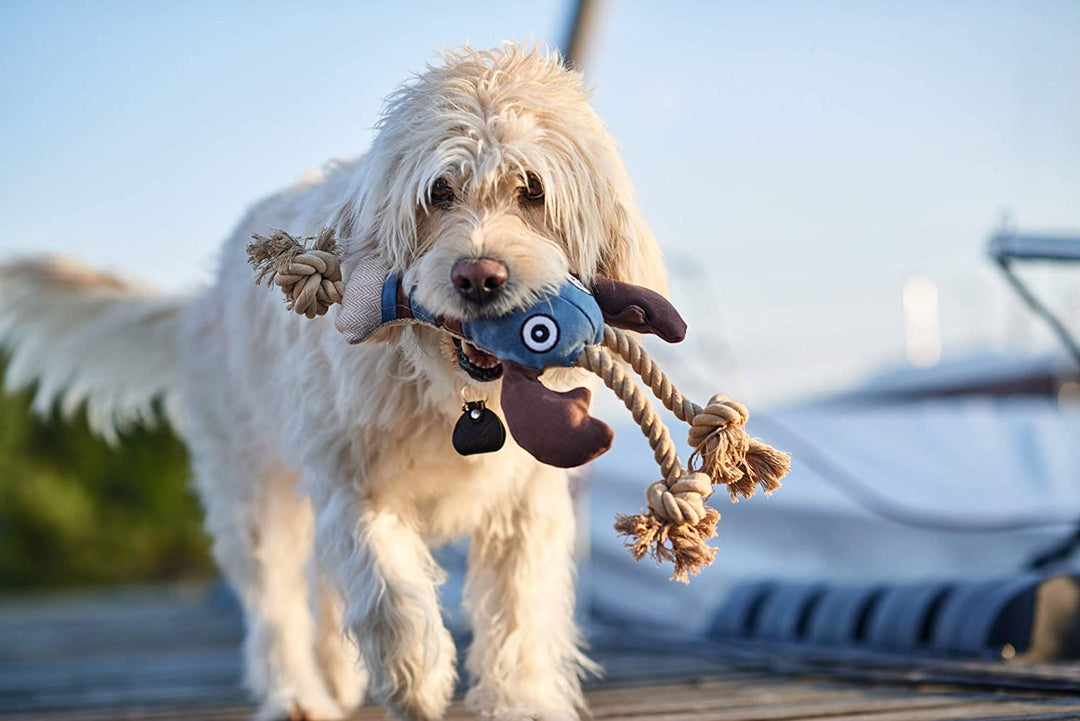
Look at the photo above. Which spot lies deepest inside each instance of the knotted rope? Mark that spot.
(721, 447)
(677, 524)
(309, 277)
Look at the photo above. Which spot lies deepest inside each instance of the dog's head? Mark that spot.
(490, 179)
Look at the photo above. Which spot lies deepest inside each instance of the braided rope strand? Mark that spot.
(625, 346)
(678, 524)
(600, 361)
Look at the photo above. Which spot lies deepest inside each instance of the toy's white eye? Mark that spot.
(574, 281)
(540, 333)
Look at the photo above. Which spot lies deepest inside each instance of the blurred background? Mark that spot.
(824, 178)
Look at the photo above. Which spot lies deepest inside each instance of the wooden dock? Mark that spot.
(175, 653)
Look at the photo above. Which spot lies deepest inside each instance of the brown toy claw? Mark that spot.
(554, 427)
(638, 309)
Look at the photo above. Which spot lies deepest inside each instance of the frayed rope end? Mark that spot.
(310, 277)
(684, 544)
(724, 451)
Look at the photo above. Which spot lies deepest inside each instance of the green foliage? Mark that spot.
(76, 512)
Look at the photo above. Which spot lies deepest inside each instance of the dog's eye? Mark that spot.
(442, 195)
(533, 191)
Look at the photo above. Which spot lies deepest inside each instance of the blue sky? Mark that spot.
(800, 161)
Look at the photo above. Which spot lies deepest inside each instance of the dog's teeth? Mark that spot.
(477, 357)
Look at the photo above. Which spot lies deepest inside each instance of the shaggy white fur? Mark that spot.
(326, 470)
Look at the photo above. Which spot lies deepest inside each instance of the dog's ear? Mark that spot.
(631, 253)
(377, 213)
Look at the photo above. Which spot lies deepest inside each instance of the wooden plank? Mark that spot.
(720, 706)
(996, 711)
(151, 655)
(868, 666)
(894, 709)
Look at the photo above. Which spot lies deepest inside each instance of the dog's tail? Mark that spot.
(86, 336)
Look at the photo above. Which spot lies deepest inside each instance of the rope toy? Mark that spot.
(573, 326)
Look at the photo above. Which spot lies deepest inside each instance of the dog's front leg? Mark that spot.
(388, 579)
(526, 660)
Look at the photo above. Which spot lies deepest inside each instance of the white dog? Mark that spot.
(326, 470)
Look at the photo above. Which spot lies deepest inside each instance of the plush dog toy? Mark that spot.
(572, 326)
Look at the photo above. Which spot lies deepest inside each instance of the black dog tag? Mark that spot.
(478, 430)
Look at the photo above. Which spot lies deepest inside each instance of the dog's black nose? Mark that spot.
(479, 280)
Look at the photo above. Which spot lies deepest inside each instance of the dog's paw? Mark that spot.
(320, 708)
(349, 691)
(424, 701)
(348, 682)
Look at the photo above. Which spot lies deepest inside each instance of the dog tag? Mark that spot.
(478, 430)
